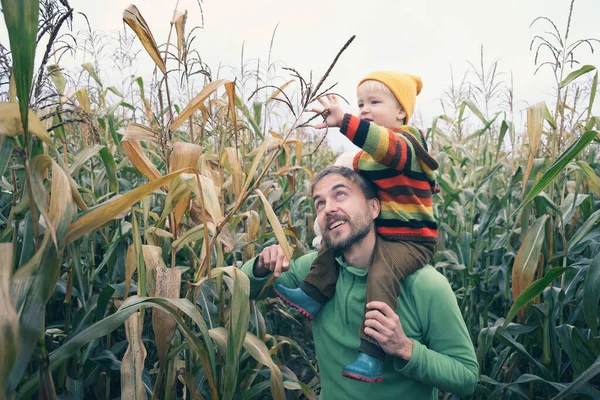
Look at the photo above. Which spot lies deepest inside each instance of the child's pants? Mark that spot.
(392, 262)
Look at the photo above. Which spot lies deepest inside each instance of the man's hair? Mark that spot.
(366, 186)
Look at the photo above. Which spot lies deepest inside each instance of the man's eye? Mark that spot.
(340, 194)
(319, 205)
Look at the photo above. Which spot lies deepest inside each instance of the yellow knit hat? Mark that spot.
(405, 87)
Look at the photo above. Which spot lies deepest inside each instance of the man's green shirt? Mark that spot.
(443, 355)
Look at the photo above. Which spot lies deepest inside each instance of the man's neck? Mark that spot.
(360, 254)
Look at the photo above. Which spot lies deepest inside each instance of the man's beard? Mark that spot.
(358, 232)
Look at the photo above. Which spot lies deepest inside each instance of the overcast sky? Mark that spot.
(421, 37)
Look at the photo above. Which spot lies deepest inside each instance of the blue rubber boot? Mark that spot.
(298, 299)
(365, 368)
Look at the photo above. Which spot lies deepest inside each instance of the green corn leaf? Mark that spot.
(593, 94)
(559, 165)
(503, 130)
(9, 321)
(591, 294)
(111, 170)
(21, 17)
(202, 346)
(591, 177)
(90, 69)
(34, 283)
(583, 229)
(60, 83)
(6, 148)
(576, 74)
(534, 290)
(590, 373)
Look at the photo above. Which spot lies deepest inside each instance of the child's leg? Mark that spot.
(317, 288)
(392, 262)
(322, 278)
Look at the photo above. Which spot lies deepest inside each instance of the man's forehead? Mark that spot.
(331, 182)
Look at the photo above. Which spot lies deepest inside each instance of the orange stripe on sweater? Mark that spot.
(402, 180)
(384, 231)
(352, 127)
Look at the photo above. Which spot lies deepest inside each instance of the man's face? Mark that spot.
(344, 215)
(379, 106)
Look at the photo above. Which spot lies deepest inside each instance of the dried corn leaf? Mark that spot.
(132, 365)
(179, 22)
(84, 100)
(252, 225)
(277, 92)
(107, 211)
(257, 159)
(137, 23)
(130, 268)
(168, 283)
(276, 225)
(535, 125)
(138, 158)
(230, 89)
(10, 123)
(141, 132)
(184, 155)
(527, 259)
(210, 196)
(196, 103)
(9, 322)
(235, 164)
(154, 261)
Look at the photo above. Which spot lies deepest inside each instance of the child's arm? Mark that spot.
(387, 148)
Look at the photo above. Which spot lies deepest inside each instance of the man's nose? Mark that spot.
(330, 207)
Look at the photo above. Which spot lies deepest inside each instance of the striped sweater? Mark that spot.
(398, 163)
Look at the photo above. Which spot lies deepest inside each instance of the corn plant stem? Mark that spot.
(62, 373)
(32, 208)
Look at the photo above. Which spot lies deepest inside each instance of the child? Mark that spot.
(395, 159)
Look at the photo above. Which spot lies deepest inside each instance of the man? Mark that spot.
(426, 340)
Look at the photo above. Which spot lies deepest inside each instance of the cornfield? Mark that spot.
(126, 212)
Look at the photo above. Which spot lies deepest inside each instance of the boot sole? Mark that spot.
(361, 378)
(297, 307)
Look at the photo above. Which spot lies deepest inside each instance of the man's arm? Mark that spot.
(446, 359)
(269, 262)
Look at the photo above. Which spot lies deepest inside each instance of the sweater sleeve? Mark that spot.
(291, 278)
(446, 359)
(383, 145)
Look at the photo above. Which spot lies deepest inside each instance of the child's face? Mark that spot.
(379, 106)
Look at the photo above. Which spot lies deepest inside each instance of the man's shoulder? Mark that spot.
(307, 258)
(427, 280)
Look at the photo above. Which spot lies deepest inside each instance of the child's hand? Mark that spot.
(334, 116)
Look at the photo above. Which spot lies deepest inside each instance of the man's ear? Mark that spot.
(375, 207)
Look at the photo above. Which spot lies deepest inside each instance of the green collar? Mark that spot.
(349, 268)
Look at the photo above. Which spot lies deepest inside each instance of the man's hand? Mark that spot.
(383, 325)
(332, 110)
(271, 259)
